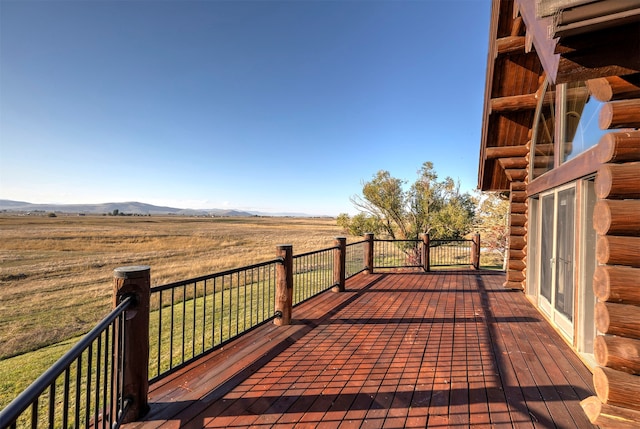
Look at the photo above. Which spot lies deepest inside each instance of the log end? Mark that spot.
(601, 283)
(606, 116)
(606, 148)
(601, 384)
(603, 250)
(603, 182)
(603, 320)
(600, 350)
(513, 285)
(602, 217)
(600, 89)
(592, 407)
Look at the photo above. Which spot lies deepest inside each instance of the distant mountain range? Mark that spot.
(130, 207)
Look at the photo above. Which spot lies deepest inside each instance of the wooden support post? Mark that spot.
(284, 285)
(426, 254)
(475, 257)
(368, 253)
(134, 281)
(339, 264)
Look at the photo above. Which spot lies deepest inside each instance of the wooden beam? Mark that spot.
(518, 162)
(617, 283)
(619, 147)
(505, 151)
(618, 181)
(617, 388)
(615, 87)
(620, 114)
(618, 319)
(617, 217)
(619, 353)
(518, 253)
(510, 45)
(518, 219)
(516, 174)
(614, 250)
(514, 102)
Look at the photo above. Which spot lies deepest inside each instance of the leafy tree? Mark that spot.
(492, 222)
(428, 205)
(359, 224)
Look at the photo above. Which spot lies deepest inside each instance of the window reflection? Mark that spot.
(574, 121)
(581, 121)
(544, 133)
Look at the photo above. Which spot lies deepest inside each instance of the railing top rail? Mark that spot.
(12, 411)
(395, 240)
(314, 251)
(452, 240)
(214, 275)
(356, 242)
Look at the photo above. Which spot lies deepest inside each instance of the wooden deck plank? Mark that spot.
(442, 349)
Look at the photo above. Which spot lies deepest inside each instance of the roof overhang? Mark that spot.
(578, 40)
(584, 39)
(514, 76)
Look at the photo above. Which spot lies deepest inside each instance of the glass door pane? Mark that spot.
(546, 246)
(565, 252)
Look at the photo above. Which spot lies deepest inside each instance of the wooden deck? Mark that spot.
(441, 349)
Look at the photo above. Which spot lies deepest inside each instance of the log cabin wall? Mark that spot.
(515, 76)
(518, 226)
(616, 281)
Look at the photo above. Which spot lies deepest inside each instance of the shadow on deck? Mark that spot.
(439, 349)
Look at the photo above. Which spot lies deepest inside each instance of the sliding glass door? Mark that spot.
(557, 256)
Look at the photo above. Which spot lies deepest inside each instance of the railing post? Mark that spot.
(284, 285)
(475, 258)
(339, 264)
(426, 254)
(134, 281)
(368, 253)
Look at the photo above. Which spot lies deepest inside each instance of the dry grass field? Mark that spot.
(56, 273)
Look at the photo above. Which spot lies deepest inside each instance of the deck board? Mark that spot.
(441, 349)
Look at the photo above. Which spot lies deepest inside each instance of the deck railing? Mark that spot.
(158, 330)
(191, 317)
(312, 274)
(451, 252)
(83, 388)
(398, 254)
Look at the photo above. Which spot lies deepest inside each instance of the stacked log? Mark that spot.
(517, 263)
(616, 280)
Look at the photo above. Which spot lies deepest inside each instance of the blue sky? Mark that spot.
(257, 105)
